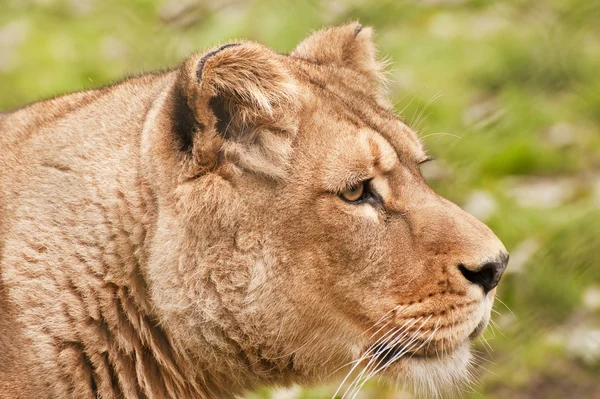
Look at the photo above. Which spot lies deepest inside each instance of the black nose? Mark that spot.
(487, 275)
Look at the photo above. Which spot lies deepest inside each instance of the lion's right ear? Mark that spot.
(226, 103)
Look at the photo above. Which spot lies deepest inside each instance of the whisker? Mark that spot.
(394, 343)
(435, 97)
(489, 371)
(495, 325)
(413, 346)
(482, 358)
(415, 113)
(399, 333)
(373, 373)
(441, 134)
(391, 111)
(406, 348)
(486, 345)
(436, 328)
(385, 316)
(364, 356)
(506, 306)
(443, 349)
(428, 340)
(373, 358)
(406, 106)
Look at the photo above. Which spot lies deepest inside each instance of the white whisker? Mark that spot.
(495, 325)
(399, 332)
(506, 306)
(435, 97)
(407, 347)
(441, 134)
(357, 362)
(385, 316)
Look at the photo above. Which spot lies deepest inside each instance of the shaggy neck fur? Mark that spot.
(162, 285)
(93, 321)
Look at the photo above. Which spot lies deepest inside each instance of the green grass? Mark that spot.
(492, 80)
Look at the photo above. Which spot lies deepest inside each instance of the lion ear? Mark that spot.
(348, 46)
(235, 103)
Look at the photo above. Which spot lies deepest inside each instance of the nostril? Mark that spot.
(487, 276)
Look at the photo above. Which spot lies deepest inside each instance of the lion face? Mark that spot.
(409, 275)
(302, 234)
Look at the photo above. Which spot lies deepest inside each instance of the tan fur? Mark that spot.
(180, 235)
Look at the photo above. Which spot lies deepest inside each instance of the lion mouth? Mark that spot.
(429, 349)
(387, 354)
(425, 346)
(478, 331)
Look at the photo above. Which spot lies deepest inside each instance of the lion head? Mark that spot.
(295, 233)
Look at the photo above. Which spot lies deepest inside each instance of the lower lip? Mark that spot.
(386, 355)
(478, 330)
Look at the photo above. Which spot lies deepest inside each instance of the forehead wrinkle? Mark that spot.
(345, 113)
(350, 162)
(378, 119)
(383, 152)
(334, 78)
(407, 145)
(358, 101)
(311, 78)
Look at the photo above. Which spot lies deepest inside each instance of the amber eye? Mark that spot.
(355, 193)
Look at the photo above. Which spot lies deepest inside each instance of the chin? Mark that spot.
(430, 370)
(429, 373)
(432, 362)
(436, 376)
(443, 374)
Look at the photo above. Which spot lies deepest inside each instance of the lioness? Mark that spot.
(249, 218)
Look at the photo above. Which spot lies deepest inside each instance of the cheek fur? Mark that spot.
(369, 213)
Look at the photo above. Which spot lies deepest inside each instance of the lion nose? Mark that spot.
(487, 275)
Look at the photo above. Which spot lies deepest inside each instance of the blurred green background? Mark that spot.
(506, 94)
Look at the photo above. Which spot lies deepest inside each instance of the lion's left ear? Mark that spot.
(235, 104)
(348, 46)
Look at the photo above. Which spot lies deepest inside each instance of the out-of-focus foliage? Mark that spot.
(505, 93)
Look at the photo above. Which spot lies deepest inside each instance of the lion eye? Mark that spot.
(354, 194)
